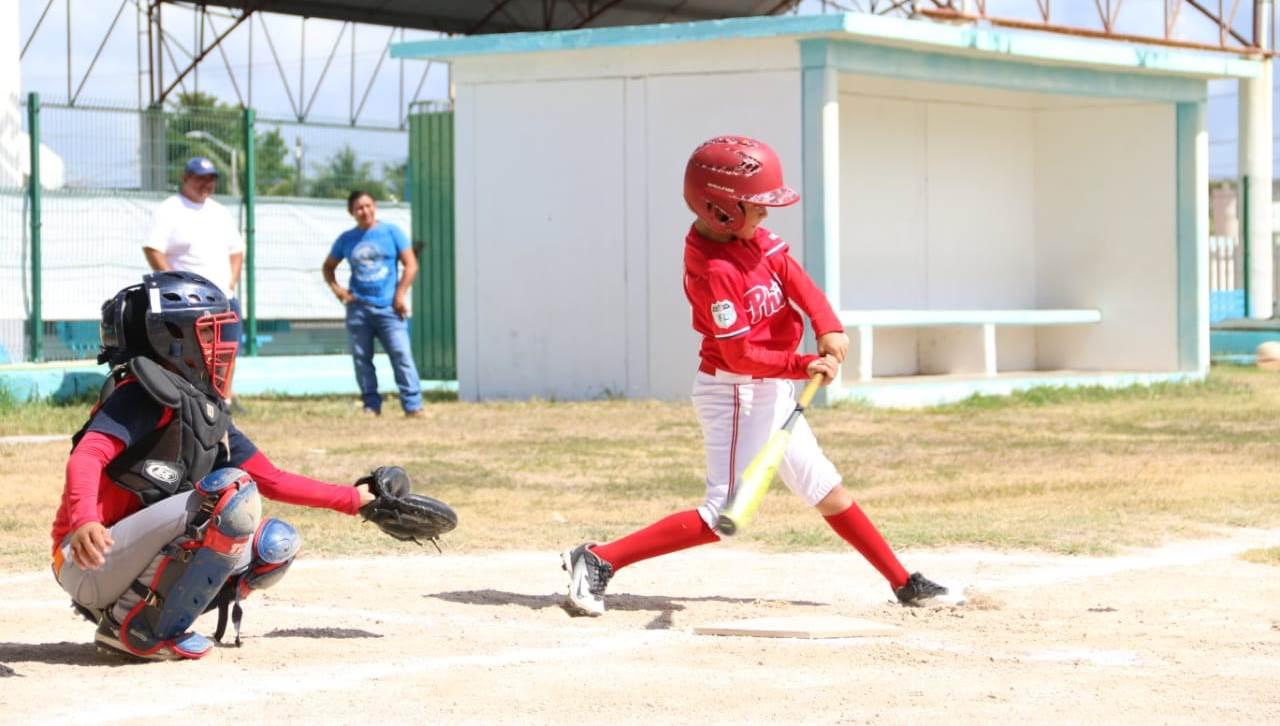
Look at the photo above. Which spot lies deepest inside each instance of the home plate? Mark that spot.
(816, 626)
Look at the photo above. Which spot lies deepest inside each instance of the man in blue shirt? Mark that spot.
(376, 300)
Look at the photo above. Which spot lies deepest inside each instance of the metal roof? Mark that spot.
(468, 17)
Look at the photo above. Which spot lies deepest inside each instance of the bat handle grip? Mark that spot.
(809, 390)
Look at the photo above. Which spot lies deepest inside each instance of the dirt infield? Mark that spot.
(1187, 633)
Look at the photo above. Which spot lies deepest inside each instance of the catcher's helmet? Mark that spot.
(730, 169)
(178, 318)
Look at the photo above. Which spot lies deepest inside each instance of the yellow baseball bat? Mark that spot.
(759, 474)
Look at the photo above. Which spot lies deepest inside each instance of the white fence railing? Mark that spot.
(1226, 264)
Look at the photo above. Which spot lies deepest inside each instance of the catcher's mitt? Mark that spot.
(402, 514)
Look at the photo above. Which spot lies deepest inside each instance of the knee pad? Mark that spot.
(275, 545)
(186, 575)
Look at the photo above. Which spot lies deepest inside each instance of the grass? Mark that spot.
(1061, 470)
(1269, 556)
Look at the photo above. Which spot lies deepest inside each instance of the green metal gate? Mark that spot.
(434, 323)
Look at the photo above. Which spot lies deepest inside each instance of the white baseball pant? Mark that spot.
(738, 414)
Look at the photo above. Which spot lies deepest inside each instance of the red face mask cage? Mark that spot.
(219, 338)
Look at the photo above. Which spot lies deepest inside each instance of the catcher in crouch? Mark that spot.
(161, 516)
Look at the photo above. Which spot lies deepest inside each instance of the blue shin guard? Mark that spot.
(182, 580)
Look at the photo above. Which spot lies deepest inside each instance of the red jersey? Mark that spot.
(744, 295)
(89, 495)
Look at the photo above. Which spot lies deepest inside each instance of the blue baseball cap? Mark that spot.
(200, 166)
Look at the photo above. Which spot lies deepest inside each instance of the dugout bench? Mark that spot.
(951, 341)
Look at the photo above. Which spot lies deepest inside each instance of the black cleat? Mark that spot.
(918, 589)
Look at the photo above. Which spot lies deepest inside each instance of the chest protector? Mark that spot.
(171, 458)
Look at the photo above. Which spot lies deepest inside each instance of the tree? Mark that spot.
(343, 172)
(395, 176)
(275, 175)
(198, 114)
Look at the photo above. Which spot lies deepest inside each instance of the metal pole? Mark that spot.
(1244, 239)
(33, 189)
(70, 102)
(250, 267)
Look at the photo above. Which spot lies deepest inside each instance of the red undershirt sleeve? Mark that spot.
(84, 475)
(284, 486)
(802, 290)
(753, 360)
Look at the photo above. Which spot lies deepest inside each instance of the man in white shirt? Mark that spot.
(191, 231)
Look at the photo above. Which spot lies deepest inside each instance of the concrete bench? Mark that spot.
(983, 323)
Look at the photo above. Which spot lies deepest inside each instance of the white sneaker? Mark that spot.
(588, 577)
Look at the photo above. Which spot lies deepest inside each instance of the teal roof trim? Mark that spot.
(627, 35)
(1014, 74)
(1026, 45)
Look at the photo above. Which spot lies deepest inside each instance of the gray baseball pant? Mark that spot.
(137, 539)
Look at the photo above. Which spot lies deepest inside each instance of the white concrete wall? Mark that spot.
(570, 287)
(936, 209)
(965, 197)
(547, 245)
(1106, 202)
(10, 93)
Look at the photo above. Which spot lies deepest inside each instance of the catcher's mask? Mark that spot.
(180, 319)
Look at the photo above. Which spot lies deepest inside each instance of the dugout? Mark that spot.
(987, 209)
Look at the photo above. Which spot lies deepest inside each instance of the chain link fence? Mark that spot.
(103, 171)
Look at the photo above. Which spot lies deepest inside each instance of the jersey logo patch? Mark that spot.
(723, 313)
(764, 300)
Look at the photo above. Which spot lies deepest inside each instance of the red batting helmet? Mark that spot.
(731, 169)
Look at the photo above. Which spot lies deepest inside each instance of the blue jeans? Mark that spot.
(364, 323)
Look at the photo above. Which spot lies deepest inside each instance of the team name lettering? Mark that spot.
(763, 301)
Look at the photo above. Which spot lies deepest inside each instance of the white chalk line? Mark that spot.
(338, 676)
(346, 676)
(1177, 554)
(35, 438)
(1050, 569)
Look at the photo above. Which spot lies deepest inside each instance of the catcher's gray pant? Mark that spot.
(137, 539)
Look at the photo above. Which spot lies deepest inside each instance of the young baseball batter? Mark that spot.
(744, 289)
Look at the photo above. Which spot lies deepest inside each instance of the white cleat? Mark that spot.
(588, 577)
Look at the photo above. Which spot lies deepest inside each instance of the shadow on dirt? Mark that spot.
(64, 653)
(664, 606)
(498, 597)
(334, 633)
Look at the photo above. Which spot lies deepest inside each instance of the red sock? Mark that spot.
(854, 527)
(676, 532)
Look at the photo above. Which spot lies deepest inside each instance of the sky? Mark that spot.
(382, 86)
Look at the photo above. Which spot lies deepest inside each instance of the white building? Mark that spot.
(988, 209)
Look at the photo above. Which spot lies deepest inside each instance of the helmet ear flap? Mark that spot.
(134, 321)
(123, 327)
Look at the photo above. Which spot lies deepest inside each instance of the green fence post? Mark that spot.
(417, 330)
(33, 189)
(431, 171)
(250, 195)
